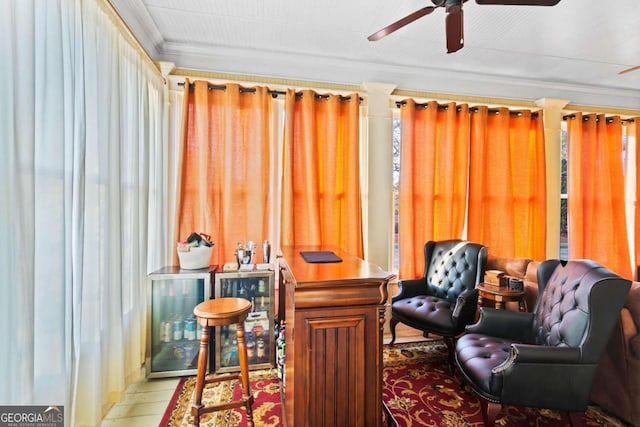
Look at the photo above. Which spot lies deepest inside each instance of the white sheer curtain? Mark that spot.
(163, 223)
(82, 150)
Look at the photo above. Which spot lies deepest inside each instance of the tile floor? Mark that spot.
(143, 404)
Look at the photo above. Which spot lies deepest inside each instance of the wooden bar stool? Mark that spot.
(219, 312)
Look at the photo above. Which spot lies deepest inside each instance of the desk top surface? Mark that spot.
(350, 269)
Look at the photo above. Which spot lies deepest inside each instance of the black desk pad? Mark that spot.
(320, 256)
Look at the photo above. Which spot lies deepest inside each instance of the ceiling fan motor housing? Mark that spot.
(448, 3)
(453, 5)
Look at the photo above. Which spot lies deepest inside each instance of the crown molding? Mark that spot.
(139, 22)
(345, 71)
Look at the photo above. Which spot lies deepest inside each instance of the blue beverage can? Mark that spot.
(177, 330)
(190, 329)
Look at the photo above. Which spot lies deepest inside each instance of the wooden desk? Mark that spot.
(334, 314)
(500, 296)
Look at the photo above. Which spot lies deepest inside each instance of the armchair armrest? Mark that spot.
(466, 306)
(531, 354)
(514, 325)
(410, 288)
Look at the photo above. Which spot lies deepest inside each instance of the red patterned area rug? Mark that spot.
(419, 390)
(267, 410)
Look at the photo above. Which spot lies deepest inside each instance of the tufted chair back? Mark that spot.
(568, 313)
(452, 267)
(445, 299)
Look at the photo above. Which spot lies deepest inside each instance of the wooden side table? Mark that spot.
(500, 296)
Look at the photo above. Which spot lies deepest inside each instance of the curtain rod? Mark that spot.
(586, 118)
(274, 93)
(444, 107)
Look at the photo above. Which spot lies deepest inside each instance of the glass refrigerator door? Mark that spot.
(174, 333)
(257, 287)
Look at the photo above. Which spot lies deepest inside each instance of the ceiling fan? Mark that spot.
(453, 20)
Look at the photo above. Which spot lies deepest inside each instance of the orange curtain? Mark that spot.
(507, 189)
(321, 178)
(596, 205)
(224, 188)
(434, 158)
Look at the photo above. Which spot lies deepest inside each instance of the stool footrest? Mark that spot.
(222, 406)
(220, 378)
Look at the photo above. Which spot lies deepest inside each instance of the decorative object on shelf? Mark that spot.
(493, 277)
(246, 267)
(194, 252)
(516, 284)
(230, 266)
(245, 252)
(266, 252)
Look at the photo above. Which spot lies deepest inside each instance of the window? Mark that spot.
(564, 241)
(396, 185)
(629, 175)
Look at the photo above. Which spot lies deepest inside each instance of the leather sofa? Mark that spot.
(616, 387)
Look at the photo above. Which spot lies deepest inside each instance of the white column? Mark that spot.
(552, 110)
(378, 171)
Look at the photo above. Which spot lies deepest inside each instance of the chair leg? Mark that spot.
(200, 377)
(392, 325)
(489, 411)
(247, 396)
(450, 343)
(575, 419)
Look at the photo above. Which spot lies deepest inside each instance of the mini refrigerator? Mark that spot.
(173, 335)
(256, 286)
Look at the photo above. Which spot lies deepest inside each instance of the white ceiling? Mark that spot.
(571, 51)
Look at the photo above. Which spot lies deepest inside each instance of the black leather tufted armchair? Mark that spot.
(445, 299)
(547, 358)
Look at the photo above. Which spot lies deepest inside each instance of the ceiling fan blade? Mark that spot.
(454, 26)
(401, 23)
(628, 70)
(520, 2)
